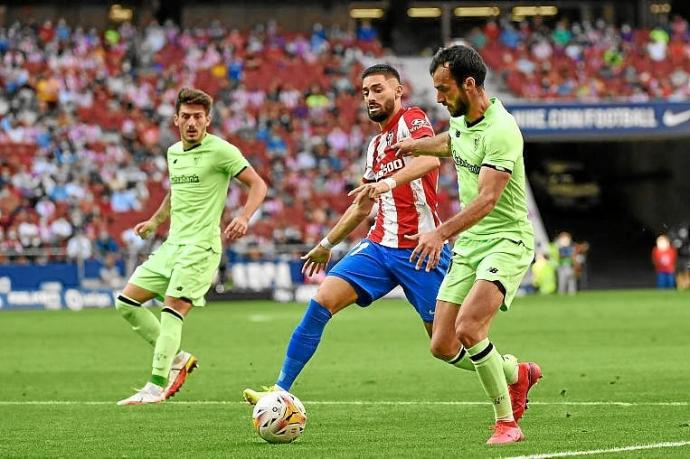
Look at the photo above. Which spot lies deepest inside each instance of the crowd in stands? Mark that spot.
(588, 61)
(85, 117)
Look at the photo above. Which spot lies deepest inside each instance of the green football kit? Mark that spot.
(500, 247)
(184, 265)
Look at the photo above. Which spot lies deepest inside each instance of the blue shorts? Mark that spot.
(374, 270)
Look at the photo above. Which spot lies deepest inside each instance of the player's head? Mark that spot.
(382, 91)
(458, 72)
(192, 114)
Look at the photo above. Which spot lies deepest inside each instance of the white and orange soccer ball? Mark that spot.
(279, 417)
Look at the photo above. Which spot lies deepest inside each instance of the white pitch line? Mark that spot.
(348, 402)
(668, 444)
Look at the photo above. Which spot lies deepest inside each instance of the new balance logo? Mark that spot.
(179, 289)
(493, 270)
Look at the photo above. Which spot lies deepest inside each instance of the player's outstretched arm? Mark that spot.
(318, 257)
(417, 168)
(145, 229)
(429, 245)
(255, 196)
(438, 145)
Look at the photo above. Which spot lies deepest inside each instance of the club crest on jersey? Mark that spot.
(389, 139)
(477, 140)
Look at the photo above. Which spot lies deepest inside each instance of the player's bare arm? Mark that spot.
(146, 228)
(491, 185)
(256, 194)
(438, 145)
(417, 168)
(318, 257)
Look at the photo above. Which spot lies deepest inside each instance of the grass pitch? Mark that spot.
(615, 368)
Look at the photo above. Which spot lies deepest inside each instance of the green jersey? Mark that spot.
(199, 179)
(494, 141)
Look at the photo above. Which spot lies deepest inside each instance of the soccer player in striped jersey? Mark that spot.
(406, 206)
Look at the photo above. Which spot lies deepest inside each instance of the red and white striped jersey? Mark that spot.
(408, 209)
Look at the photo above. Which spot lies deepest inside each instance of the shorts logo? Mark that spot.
(179, 289)
(493, 270)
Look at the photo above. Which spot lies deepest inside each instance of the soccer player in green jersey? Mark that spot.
(495, 240)
(180, 272)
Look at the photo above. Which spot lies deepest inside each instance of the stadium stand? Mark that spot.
(588, 61)
(86, 117)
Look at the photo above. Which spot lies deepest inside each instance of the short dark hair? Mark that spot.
(381, 69)
(463, 62)
(191, 96)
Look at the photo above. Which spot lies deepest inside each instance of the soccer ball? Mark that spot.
(279, 417)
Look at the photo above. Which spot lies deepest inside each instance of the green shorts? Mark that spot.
(498, 260)
(180, 271)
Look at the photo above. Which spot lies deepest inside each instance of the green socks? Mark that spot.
(167, 345)
(489, 366)
(143, 321)
(510, 364)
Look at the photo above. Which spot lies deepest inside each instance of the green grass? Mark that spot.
(595, 347)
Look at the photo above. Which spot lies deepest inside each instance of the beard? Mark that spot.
(385, 112)
(459, 110)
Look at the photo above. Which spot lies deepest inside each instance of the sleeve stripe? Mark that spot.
(498, 168)
(241, 170)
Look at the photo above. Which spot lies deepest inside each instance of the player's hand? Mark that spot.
(429, 247)
(236, 228)
(145, 229)
(316, 260)
(371, 190)
(405, 147)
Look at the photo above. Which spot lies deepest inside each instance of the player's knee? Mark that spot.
(468, 333)
(328, 300)
(442, 350)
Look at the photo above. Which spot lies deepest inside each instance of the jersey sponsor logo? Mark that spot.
(462, 163)
(181, 179)
(419, 123)
(389, 167)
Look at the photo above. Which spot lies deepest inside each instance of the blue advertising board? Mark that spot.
(602, 121)
(72, 298)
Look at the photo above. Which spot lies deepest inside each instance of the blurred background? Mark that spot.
(601, 90)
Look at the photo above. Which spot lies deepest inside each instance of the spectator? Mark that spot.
(79, 247)
(544, 274)
(565, 249)
(664, 257)
(110, 274)
(105, 244)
